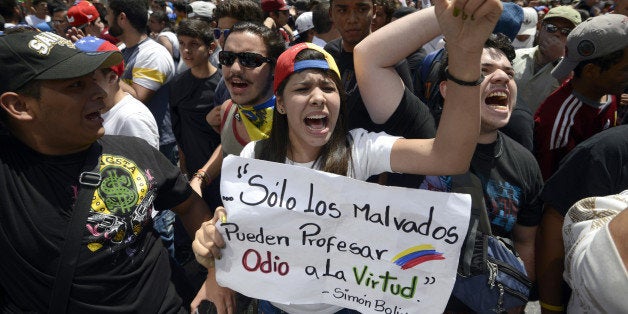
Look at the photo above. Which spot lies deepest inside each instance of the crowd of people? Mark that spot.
(137, 102)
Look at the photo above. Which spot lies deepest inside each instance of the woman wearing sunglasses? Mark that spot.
(309, 128)
(248, 63)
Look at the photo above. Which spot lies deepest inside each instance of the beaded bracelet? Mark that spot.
(461, 82)
(205, 178)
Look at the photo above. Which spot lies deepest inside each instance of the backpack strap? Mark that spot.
(469, 183)
(224, 118)
(89, 180)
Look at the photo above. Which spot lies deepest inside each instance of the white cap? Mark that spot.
(202, 9)
(304, 22)
(530, 18)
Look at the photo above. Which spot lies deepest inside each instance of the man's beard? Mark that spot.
(115, 30)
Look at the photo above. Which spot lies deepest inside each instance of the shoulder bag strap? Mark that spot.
(89, 180)
(469, 183)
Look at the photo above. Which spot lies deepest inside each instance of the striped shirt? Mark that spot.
(563, 120)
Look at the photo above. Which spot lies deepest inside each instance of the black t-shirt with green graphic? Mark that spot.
(123, 267)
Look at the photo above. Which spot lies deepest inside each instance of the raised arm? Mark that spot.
(376, 55)
(465, 33)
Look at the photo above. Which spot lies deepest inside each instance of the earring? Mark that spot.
(281, 110)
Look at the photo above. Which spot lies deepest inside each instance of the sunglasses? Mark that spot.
(219, 32)
(246, 59)
(551, 28)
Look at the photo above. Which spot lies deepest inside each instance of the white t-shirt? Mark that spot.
(593, 267)
(174, 41)
(33, 20)
(370, 156)
(132, 118)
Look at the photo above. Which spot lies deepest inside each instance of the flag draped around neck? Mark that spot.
(258, 119)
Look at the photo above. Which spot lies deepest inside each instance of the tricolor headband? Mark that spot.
(286, 65)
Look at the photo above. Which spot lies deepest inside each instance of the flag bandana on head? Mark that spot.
(258, 120)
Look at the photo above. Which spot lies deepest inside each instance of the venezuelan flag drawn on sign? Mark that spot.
(416, 255)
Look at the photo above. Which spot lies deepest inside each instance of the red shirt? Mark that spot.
(562, 121)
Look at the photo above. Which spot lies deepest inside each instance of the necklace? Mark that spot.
(491, 151)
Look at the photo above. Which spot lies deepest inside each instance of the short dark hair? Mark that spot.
(7, 9)
(161, 16)
(241, 10)
(403, 11)
(604, 62)
(196, 28)
(56, 6)
(320, 18)
(182, 6)
(497, 41)
(136, 12)
(275, 45)
(389, 7)
(36, 2)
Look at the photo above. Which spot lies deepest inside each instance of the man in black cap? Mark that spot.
(75, 206)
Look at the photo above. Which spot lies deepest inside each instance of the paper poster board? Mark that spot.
(300, 236)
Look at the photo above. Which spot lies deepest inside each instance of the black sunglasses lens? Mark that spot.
(250, 60)
(226, 58)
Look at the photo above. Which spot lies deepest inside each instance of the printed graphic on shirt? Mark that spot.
(121, 206)
(502, 204)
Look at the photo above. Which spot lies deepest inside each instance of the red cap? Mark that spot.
(286, 65)
(82, 13)
(94, 44)
(274, 5)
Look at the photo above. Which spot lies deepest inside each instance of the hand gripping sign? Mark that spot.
(300, 236)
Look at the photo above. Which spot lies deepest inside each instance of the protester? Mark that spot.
(162, 32)
(191, 99)
(11, 12)
(40, 13)
(527, 33)
(149, 66)
(533, 66)
(277, 13)
(51, 107)
(59, 17)
(304, 29)
(84, 16)
(248, 114)
(510, 178)
(122, 114)
(227, 14)
(352, 19)
(323, 26)
(597, 53)
(382, 13)
(596, 254)
(309, 125)
(595, 167)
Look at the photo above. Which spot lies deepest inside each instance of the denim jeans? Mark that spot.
(164, 226)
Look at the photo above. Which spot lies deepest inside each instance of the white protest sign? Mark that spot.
(299, 236)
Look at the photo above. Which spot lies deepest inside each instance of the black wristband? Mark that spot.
(461, 82)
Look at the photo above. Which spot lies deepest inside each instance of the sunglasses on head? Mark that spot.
(246, 59)
(219, 32)
(551, 28)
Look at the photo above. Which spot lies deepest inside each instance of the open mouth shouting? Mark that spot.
(316, 123)
(497, 100)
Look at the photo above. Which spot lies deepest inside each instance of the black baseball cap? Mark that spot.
(30, 55)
